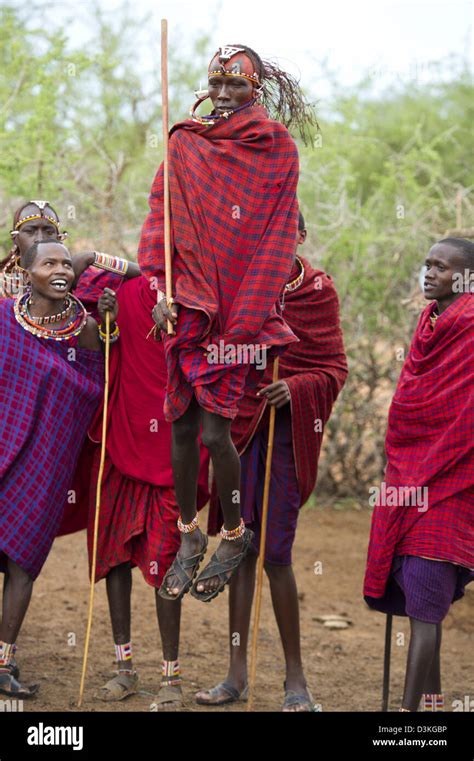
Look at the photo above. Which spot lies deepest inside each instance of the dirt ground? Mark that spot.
(343, 667)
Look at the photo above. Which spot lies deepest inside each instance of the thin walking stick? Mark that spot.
(386, 662)
(261, 556)
(166, 175)
(97, 508)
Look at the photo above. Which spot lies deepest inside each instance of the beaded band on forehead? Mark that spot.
(251, 77)
(225, 55)
(41, 206)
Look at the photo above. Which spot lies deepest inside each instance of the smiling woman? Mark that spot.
(51, 370)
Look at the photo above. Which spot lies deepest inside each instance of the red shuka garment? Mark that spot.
(429, 445)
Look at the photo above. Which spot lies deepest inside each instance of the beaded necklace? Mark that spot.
(53, 317)
(73, 328)
(289, 287)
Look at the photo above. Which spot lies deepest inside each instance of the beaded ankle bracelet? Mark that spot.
(188, 528)
(230, 535)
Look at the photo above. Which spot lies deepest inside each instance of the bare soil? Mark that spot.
(343, 667)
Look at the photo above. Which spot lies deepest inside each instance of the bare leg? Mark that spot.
(433, 680)
(226, 463)
(119, 592)
(285, 604)
(185, 461)
(421, 652)
(241, 589)
(17, 590)
(169, 621)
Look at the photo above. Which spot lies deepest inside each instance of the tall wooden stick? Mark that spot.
(386, 662)
(261, 556)
(166, 175)
(97, 508)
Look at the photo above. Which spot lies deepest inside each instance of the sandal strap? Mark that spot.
(179, 567)
(231, 694)
(122, 680)
(220, 568)
(226, 687)
(7, 680)
(293, 698)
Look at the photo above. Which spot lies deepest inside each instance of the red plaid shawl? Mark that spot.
(234, 225)
(430, 444)
(315, 370)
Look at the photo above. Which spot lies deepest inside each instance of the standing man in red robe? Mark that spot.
(421, 549)
(137, 525)
(312, 373)
(233, 180)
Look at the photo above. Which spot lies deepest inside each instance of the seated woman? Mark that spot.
(51, 371)
(421, 550)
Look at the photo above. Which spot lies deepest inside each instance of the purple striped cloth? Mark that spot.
(421, 588)
(284, 498)
(49, 391)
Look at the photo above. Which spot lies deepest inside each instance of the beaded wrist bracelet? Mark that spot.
(110, 263)
(113, 336)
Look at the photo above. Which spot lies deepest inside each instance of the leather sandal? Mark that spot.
(169, 698)
(293, 698)
(224, 569)
(119, 687)
(232, 695)
(12, 687)
(179, 569)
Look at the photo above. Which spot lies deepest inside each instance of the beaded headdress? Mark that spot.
(41, 205)
(233, 62)
(12, 275)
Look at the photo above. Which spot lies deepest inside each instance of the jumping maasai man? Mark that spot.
(51, 375)
(421, 550)
(234, 215)
(312, 374)
(138, 517)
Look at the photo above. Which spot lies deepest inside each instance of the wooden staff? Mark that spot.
(97, 507)
(386, 662)
(166, 176)
(261, 555)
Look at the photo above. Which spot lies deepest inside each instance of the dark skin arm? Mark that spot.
(89, 336)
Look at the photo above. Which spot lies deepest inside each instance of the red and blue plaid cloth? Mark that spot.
(234, 216)
(48, 394)
(430, 444)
